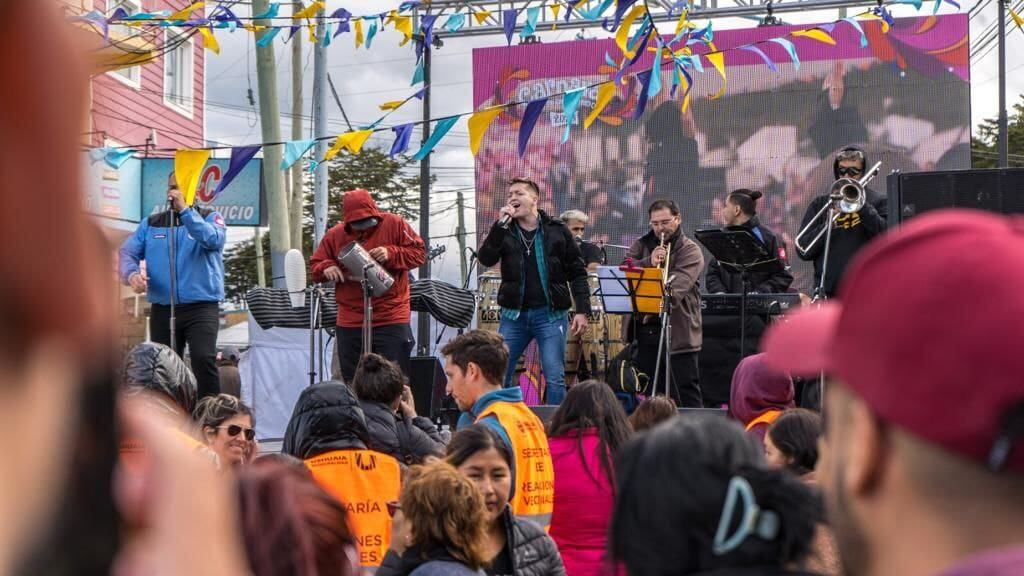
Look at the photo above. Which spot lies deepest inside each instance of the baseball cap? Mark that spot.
(927, 329)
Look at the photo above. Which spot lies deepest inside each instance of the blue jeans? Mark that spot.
(534, 324)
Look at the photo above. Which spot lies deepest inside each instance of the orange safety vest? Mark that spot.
(534, 490)
(766, 418)
(364, 481)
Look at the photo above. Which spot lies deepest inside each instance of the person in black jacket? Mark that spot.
(390, 412)
(540, 261)
(740, 213)
(851, 231)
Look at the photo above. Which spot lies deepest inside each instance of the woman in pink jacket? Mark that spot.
(583, 436)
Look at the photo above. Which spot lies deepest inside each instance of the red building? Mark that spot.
(159, 102)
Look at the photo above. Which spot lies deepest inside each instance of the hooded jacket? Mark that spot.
(409, 440)
(686, 263)
(757, 389)
(850, 234)
(724, 279)
(405, 251)
(154, 367)
(326, 417)
(566, 273)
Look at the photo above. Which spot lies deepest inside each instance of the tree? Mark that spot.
(984, 150)
(372, 169)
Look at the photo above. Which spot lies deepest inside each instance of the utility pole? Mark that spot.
(320, 131)
(423, 320)
(460, 235)
(270, 126)
(1002, 141)
(261, 271)
(297, 197)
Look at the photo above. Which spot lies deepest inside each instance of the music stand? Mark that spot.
(627, 290)
(738, 249)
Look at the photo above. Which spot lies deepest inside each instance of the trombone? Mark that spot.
(847, 196)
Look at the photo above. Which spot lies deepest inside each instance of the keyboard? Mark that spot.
(729, 304)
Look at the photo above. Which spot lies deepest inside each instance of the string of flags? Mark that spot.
(678, 53)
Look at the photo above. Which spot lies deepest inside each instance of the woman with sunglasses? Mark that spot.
(228, 428)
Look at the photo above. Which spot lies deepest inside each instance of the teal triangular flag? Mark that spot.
(570, 102)
(440, 129)
(294, 150)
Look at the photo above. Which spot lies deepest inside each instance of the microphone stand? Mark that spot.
(367, 310)
(315, 325)
(173, 273)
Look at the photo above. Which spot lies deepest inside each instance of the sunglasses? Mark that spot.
(235, 430)
(393, 507)
(851, 171)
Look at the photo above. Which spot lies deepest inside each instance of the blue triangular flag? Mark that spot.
(417, 76)
(530, 116)
(440, 129)
(116, 158)
(239, 158)
(455, 22)
(401, 143)
(641, 98)
(530, 28)
(271, 12)
(759, 52)
(343, 17)
(570, 102)
(508, 22)
(294, 150)
(268, 37)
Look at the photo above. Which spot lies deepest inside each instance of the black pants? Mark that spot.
(392, 341)
(196, 325)
(685, 376)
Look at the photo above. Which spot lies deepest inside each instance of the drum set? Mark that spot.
(587, 355)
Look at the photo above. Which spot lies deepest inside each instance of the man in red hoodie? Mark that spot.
(390, 241)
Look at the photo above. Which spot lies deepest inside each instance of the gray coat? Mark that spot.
(534, 553)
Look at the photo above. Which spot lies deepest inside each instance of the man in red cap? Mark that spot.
(393, 243)
(922, 461)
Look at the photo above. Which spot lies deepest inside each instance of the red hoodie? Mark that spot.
(405, 252)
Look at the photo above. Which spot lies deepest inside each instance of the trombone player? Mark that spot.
(860, 219)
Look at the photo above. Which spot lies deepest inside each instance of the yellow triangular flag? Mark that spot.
(254, 28)
(816, 34)
(359, 32)
(404, 25)
(309, 11)
(391, 105)
(622, 36)
(604, 96)
(478, 124)
(683, 23)
(555, 9)
(717, 60)
(870, 16)
(186, 13)
(188, 166)
(481, 15)
(351, 141)
(1017, 19)
(209, 40)
(312, 34)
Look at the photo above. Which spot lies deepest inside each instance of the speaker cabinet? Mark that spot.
(428, 383)
(999, 190)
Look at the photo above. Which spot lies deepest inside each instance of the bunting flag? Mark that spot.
(417, 75)
(116, 158)
(359, 33)
(401, 143)
(271, 12)
(351, 141)
(427, 28)
(294, 150)
(768, 61)
(310, 11)
(604, 95)
(327, 35)
(789, 48)
(440, 129)
(268, 37)
(344, 17)
(622, 36)
(478, 124)
(392, 105)
(209, 40)
(555, 9)
(592, 14)
(188, 166)
(860, 30)
(530, 116)
(655, 86)
(455, 22)
(683, 24)
(404, 25)
(186, 13)
(508, 23)
(570, 102)
(717, 60)
(1017, 19)
(641, 97)
(239, 158)
(370, 33)
(815, 34)
(530, 28)
(481, 16)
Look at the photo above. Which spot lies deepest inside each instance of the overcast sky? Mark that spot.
(366, 78)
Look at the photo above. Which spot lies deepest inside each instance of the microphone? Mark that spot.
(295, 277)
(505, 221)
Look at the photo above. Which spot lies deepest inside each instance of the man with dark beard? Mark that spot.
(922, 462)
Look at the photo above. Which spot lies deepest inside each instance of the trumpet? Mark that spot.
(847, 196)
(664, 265)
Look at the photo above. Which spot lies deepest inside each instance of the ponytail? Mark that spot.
(746, 200)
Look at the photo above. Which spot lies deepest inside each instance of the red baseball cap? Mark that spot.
(926, 329)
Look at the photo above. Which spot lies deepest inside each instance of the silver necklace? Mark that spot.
(528, 246)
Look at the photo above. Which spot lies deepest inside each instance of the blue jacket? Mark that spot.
(199, 236)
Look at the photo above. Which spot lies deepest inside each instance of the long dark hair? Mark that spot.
(473, 439)
(592, 404)
(673, 482)
(795, 433)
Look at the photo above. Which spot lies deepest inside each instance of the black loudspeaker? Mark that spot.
(999, 190)
(428, 383)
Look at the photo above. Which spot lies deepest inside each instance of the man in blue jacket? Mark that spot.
(198, 235)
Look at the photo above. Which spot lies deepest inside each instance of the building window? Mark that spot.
(121, 33)
(178, 63)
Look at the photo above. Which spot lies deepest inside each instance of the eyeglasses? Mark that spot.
(849, 171)
(393, 507)
(235, 430)
(662, 223)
